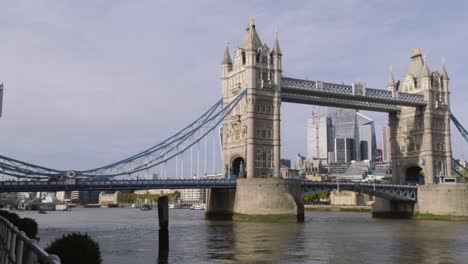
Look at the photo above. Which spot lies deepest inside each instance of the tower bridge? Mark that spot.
(249, 116)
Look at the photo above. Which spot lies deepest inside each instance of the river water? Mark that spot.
(130, 236)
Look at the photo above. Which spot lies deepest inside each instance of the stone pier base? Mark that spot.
(434, 202)
(383, 208)
(442, 201)
(220, 203)
(268, 199)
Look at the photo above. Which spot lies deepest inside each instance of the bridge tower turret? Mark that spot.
(420, 138)
(251, 133)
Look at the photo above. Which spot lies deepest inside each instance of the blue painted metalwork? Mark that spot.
(288, 97)
(387, 191)
(149, 158)
(460, 128)
(112, 185)
(360, 96)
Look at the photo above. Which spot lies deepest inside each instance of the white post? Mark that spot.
(214, 150)
(198, 159)
(205, 154)
(182, 167)
(177, 167)
(191, 161)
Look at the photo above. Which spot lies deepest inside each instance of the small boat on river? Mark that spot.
(145, 207)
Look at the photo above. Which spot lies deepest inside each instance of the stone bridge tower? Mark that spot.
(251, 138)
(251, 133)
(420, 138)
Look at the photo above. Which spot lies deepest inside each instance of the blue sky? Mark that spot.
(88, 82)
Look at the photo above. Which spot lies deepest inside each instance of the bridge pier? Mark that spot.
(434, 201)
(442, 201)
(257, 199)
(268, 199)
(220, 203)
(384, 208)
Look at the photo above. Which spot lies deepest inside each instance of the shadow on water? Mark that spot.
(336, 238)
(247, 242)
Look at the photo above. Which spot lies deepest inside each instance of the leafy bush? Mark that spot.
(76, 248)
(12, 217)
(28, 226)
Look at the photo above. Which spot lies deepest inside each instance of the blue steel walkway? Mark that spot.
(388, 191)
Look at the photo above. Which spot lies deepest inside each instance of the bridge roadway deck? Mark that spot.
(389, 191)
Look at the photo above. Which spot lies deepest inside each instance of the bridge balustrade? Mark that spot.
(17, 248)
(378, 93)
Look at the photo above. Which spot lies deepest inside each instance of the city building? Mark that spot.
(320, 135)
(286, 163)
(367, 139)
(346, 133)
(108, 198)
(63, 196)
(84, 197)
(350, 198)
(354, 137)
(8, 199)
(300, 162)
(192, 196)
(386, 151)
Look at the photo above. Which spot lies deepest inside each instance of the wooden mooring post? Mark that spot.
(163, 216)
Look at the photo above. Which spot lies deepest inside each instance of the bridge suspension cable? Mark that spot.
(459, 126)
(157, 155)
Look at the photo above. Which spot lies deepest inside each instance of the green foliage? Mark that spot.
(313, 198)
(76, 248)
(12, 217)
(174, 197)
(27, 225)
(141, 197)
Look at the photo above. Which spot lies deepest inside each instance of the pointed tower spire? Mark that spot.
(252, 40)
(444, 70)
(391, 79)
(425, 72)
(227, 57)
(276, 47)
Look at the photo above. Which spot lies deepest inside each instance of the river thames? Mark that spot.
(130, 236)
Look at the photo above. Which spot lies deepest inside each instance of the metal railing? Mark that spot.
(17, 248)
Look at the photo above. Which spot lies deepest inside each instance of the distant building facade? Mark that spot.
(350, 198)
(84, 197)
(107, 198)
(386, 146)
(367, 138)
(193, 196)
(319, 137)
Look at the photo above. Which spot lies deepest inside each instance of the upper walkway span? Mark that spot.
(355, 96)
